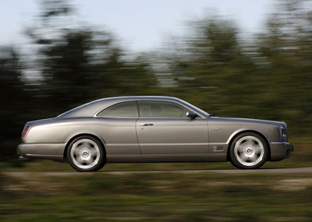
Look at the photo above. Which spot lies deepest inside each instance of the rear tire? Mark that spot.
(249, 151)
(86, 154)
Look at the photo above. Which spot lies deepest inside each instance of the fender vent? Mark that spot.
(216, 148)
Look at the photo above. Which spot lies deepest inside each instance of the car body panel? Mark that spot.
(172, 136)
(224, 129)
(280, 150)
(148, 139)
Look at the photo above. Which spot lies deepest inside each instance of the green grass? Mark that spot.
(156, 197)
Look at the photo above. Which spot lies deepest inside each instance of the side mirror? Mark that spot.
(191, 114)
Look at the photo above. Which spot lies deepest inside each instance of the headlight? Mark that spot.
(283, 133)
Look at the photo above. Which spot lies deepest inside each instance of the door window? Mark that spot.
(161, 109)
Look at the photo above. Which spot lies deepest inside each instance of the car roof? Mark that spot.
(93, 107)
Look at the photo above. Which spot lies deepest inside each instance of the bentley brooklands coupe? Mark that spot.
(151, 129)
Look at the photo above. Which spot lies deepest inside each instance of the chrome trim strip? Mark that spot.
(174, 144)
(121, 144)
(218, 144)
(41, 144)
(165, 144)
(43, 155)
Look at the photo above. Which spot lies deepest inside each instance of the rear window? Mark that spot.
(124, 109)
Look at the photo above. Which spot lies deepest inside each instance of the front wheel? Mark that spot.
(86, 154)
(248, 151)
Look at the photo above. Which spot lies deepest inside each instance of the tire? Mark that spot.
(249, 151)
(86, 154)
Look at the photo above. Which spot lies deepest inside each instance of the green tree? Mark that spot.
(14, 102)
(215, 68)
(81, 64)
(286, 52)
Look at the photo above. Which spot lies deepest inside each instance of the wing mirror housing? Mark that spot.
(191, 114)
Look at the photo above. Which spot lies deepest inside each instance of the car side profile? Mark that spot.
(152, 129)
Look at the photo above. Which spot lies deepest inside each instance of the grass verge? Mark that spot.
(156, 197)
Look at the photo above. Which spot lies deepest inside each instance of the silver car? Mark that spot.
(151, 129)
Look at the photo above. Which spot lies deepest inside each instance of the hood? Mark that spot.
(246, 120)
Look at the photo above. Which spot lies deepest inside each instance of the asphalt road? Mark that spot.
(303, 170)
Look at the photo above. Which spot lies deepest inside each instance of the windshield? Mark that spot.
(196, 108)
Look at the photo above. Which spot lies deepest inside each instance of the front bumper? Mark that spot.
(281, 150)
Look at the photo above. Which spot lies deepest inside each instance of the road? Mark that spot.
(302, 170)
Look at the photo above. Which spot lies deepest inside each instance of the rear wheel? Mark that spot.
(85, 154)
(248, 151)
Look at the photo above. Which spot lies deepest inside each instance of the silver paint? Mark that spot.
(138, 139)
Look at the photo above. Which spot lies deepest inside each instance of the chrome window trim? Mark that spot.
(145, 100)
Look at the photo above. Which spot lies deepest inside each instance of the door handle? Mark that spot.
(147, 124)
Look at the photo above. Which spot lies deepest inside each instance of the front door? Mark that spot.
(164, 128)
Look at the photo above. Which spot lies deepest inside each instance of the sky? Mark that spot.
(140, 25)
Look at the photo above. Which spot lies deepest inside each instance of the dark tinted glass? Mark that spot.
(125, 109)
(161, 109)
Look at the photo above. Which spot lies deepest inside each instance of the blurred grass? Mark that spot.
(156, 197)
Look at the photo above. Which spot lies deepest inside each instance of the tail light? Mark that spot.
(25, 132)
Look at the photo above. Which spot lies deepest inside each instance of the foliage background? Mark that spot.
(267, 76)
(214, 66)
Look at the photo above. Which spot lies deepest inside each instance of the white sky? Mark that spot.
(141, 25)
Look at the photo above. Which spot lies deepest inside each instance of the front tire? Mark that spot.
(86, 154)
(249, 151)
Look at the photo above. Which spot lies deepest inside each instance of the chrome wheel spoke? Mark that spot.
(258, 149)
(243, 157)
(240, 148)
(94, 152)
(85, 153)
(88, 145)
(79, 160)
(77, 151)
(89, 161)
(253, 158)
(249, 142)
(249, 151)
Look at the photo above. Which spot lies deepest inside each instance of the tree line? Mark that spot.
(268, 75)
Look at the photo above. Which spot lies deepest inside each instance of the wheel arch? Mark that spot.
(238, 133)
(76, 135)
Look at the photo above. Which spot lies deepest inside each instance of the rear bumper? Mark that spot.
(281, 150)
(51, 151)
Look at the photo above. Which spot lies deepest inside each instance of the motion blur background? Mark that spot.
(219, 59)
(63, 61)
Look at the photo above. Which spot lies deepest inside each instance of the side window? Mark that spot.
(124, 109)
(161, 109)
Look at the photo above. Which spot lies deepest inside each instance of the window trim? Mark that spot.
(164, 103)
(167, 101)
(138, 109)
